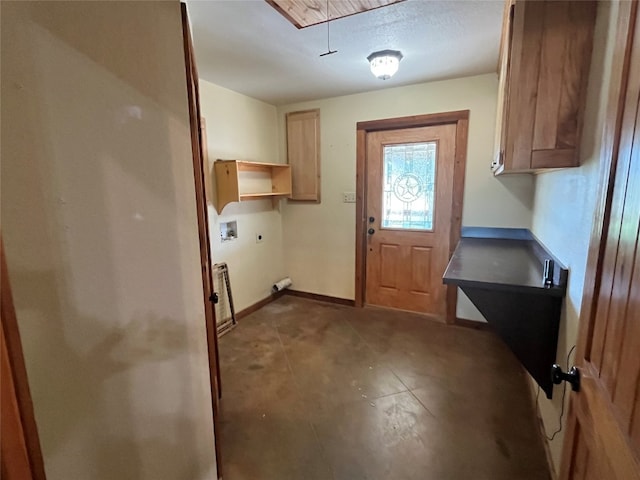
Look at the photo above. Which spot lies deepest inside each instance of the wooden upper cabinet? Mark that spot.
(544, 67)
(303, 154)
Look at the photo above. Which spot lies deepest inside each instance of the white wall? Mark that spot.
(242, 128)
(320, 239)
(99, 224)
(564, 206)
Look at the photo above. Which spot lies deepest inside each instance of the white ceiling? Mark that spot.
(248, 47)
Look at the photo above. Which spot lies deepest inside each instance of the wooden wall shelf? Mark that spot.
(238, 181)
(501, 271)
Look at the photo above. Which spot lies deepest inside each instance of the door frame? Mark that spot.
(460, 119)
(197, 152)
(627, 16)
(19, 430)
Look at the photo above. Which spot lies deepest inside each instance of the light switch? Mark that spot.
(349, 197)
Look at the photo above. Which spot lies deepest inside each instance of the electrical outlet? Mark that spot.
(259, 238)
(349, 197)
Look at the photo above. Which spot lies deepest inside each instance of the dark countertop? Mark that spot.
(500, 270)
(505, 264)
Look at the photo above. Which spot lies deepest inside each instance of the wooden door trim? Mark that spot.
(607, 173)
(627, 16)
(459, 118)
(203, 225)
(413, 121)
(11, 334)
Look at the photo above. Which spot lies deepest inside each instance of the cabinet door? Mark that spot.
(503, 86)
(526, 39)
(565, 54)
(543, 80)
(303, 154)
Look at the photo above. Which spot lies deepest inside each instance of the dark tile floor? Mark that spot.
(314, 390)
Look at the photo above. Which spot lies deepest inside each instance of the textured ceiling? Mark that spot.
(248, 47)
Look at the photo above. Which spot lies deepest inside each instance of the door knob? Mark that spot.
(572, 376)
(214, 297)
(371, 219)
(371, 231)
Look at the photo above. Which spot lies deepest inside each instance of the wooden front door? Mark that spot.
(410, 175)
(603, 438)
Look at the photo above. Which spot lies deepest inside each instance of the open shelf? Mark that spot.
(239, 180)
(258, 196)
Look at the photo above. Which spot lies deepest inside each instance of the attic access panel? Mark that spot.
(305, 13)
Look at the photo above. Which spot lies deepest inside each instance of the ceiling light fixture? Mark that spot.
(385, 63)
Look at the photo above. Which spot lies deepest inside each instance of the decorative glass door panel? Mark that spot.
(408, 186)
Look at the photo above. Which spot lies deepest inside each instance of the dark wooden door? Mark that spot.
(603, 438)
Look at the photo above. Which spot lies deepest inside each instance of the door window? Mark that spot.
(408, 186)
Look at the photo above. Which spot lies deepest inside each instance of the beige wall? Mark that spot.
(98, 219)
(242, 128)
(319, 240)
(564, 205)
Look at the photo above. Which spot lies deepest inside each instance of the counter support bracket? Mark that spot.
(527, 323)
